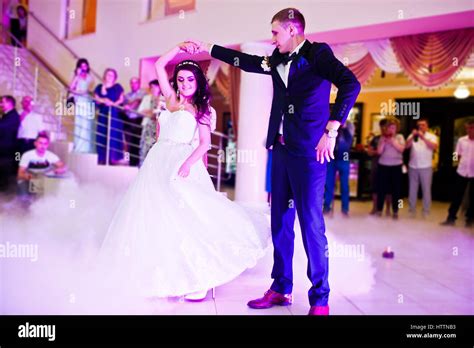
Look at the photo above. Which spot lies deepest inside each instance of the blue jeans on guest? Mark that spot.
(343, 167)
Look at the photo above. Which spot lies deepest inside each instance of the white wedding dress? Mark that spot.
(172, 236)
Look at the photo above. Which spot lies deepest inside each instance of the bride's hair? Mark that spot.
(202, 96)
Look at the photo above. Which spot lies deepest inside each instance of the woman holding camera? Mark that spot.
(389, 176)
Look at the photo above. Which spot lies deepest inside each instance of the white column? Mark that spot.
(256, 92)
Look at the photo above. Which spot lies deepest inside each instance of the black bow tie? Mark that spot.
(288, 58)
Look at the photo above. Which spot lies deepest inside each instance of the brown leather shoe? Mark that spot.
(270, 299)
(319, 310)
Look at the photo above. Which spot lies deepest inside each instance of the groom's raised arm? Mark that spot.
(246, 62)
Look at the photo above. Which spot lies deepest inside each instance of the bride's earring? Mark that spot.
(177, 93)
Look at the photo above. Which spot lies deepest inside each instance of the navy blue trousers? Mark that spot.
(298, 186)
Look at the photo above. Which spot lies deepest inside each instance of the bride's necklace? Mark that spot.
(182, 106)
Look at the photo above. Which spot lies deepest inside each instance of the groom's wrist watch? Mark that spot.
(331, 133)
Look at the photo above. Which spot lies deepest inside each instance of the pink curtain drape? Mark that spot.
(364, 68)
(433, 59)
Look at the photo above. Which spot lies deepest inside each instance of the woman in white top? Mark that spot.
(80, 86)
(151, 106)
(389, 173)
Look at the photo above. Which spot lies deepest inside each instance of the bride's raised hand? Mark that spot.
(200, 46)
(160, 66)
(188, 47)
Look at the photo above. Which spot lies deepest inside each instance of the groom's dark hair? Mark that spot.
(290, 15)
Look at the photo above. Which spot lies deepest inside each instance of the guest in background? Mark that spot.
(390, 149)
(213, 125)
(151, 106)
(12, 13)
(464, 176)
(231, 153)
(341, 164)
(372, 152)
(81, 87)
(36, 162)
(133, 120)
(23, 24)
(9, 124)
(420, 168)
(31, 124)
(109, 94)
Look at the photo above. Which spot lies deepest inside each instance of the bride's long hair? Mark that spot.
(202, 96)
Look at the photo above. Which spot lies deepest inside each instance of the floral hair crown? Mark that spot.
(188, 62)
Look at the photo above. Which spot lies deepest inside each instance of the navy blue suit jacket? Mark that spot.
(305, 102)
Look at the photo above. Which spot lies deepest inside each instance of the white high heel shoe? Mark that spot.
(196, 296)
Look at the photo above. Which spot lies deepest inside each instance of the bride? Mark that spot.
(173, 234)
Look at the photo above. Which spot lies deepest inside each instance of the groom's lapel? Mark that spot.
(275, 60)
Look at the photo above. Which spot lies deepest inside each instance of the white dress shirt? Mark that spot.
(465, 149)
(30, 126)
(421, 156)
(284, 71)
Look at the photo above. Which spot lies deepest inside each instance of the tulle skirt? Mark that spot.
(171, 236)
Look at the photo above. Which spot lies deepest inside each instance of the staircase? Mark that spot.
(22, 74)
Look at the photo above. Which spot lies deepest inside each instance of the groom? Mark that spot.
(302, 133)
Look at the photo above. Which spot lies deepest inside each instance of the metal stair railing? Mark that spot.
(28, 75)
(218, 176)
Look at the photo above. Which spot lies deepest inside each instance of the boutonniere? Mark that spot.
(266, 64)
(301, 62)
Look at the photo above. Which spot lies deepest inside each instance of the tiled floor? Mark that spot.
(432, 273)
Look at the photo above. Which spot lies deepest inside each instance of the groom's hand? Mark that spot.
(325, 149)
(189, 47)
(201, 46)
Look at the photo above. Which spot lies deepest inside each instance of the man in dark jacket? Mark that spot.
(9, 124)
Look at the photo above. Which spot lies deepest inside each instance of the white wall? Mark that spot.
(122, 36)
